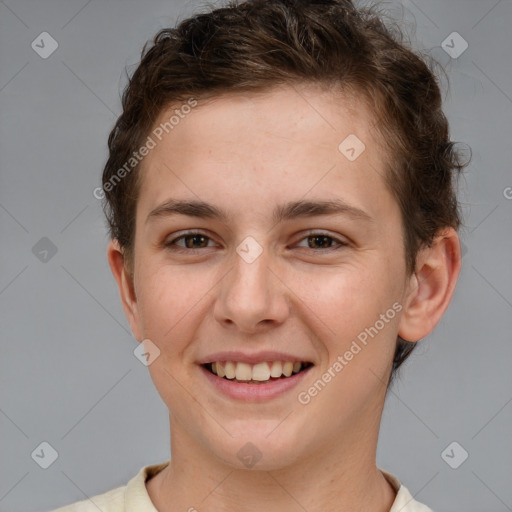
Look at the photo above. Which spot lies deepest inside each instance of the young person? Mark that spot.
(281, 202)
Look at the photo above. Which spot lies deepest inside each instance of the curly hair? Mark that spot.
(257, 44)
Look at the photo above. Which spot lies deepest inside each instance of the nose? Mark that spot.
(252, 297)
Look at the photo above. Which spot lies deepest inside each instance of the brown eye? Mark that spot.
(319, 241)
(192, 240)
(195, 241)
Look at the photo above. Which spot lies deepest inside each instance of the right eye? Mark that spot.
(191, 241)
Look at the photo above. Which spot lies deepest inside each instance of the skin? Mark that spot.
(247, 153)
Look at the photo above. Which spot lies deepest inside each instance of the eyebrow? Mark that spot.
(287, 211)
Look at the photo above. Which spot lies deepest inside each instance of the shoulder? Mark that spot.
(132, 497)
(111, 501)
(404, 501)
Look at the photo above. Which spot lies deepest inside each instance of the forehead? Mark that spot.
(288, 141)
(288, 112)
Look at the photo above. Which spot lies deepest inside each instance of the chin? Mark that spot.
(257, 452)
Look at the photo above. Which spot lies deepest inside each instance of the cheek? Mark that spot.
(173, 302)
(166, 296)
(169, 303)
(345, 298)
(359, 343)
(346, 316)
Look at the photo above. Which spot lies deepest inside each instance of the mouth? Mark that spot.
(259, 373)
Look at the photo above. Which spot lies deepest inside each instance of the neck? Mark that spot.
(345, 478)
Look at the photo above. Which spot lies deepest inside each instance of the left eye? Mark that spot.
(323, 239)
(194, 240)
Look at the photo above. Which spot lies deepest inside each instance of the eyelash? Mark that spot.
(171, 245)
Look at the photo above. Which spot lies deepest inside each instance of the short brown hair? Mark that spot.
(257, 44)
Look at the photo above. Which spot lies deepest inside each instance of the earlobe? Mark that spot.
(431, 286)
(126, 287)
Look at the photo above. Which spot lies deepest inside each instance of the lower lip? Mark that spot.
(254, 392)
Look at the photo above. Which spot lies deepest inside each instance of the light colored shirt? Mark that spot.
(134, 497)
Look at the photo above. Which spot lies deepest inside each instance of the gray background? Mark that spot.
(68, 373)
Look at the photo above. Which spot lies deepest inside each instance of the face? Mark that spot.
(255, 287)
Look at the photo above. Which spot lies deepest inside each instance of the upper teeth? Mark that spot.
(260, 371)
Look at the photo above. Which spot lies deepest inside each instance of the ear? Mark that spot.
(431, 286)
(125, 283)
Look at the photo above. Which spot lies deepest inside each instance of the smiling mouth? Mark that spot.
(259, 373)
